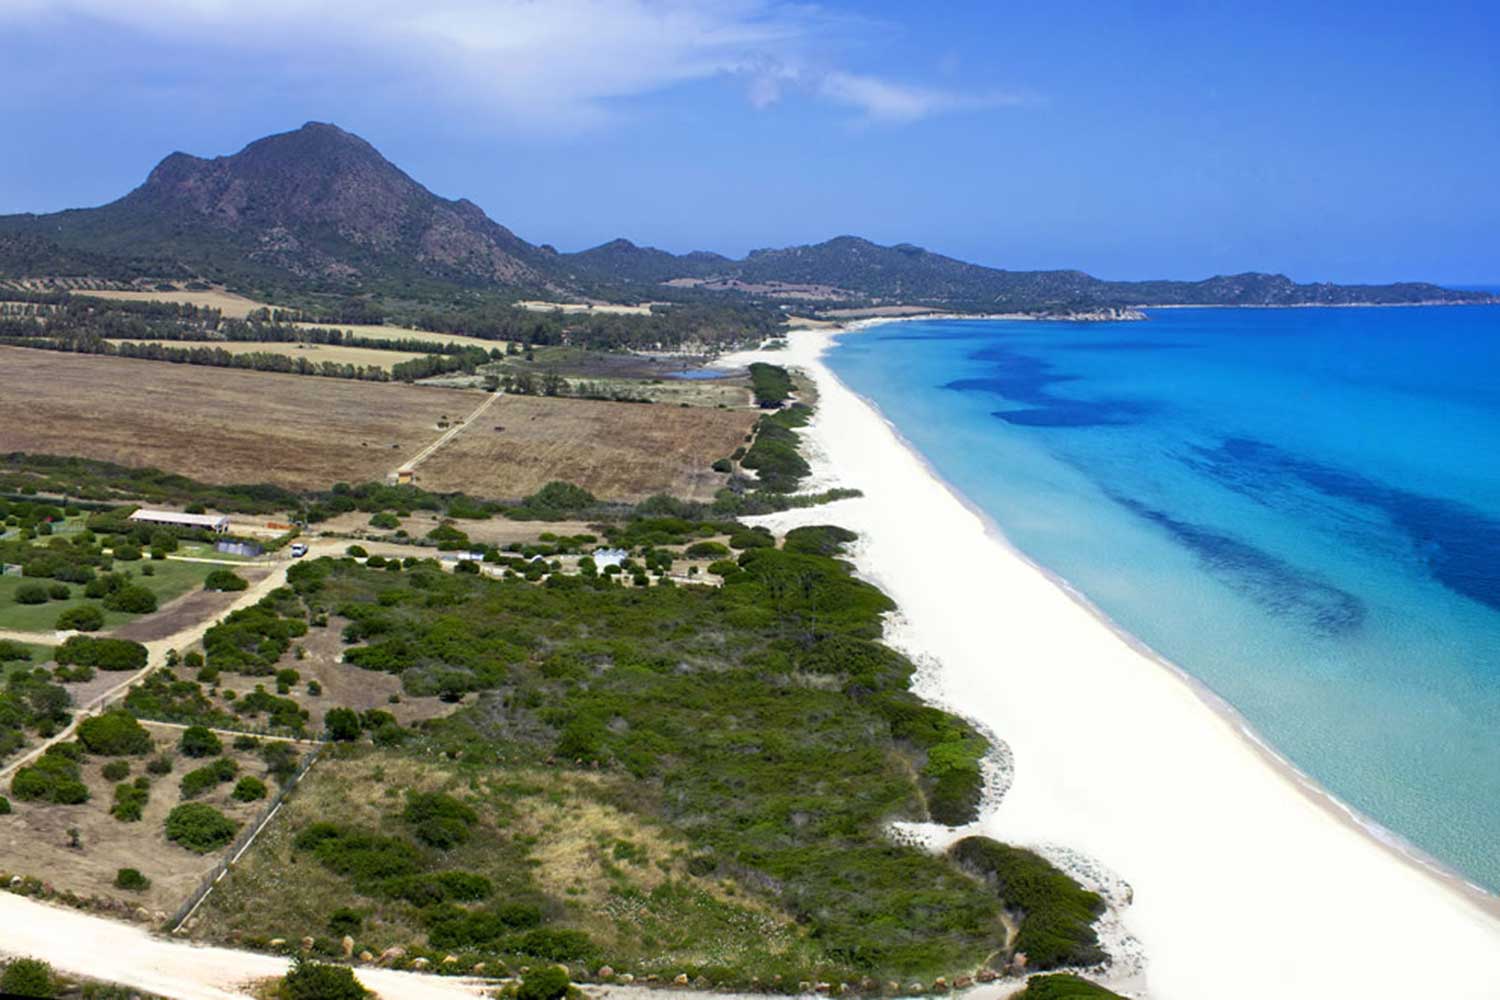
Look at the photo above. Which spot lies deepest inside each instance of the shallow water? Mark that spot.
(1301, 507)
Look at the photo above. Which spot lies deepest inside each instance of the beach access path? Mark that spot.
(1246, 882)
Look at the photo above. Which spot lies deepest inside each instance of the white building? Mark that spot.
(609, 557)
(176, 519)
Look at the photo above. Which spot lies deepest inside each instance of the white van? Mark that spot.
(298, 550)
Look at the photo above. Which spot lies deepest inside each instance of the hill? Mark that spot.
(319, 212)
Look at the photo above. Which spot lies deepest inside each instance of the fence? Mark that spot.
(241, 843)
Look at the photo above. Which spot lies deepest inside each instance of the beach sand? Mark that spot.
(1235, 878)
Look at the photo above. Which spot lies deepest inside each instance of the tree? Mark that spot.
(114, 734)
(342, 724)
(200, 828)
(200, 741)
(225, 580)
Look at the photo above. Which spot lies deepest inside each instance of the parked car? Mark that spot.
(298, 550)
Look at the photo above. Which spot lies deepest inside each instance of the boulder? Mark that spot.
(348, 944)
(963, 982)
(419, 963)
(940, 984)
(450, 959)
(605, 972)
(478, 969)
(987, 975)
(366, 957)
(626, 978)
(393, 954)
(680, 979)
(276, 943)
(307, 944)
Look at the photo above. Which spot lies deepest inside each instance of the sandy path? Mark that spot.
(410, 465)
(81, 944)
(1247, 884)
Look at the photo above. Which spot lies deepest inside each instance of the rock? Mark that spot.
(940, 984)
(804, 987)
(963, 982)
(142, 914)
(605, 972)
(419, 963)
(987, 975)
(701, 983)
(366, 957)
(393, 954)
(307, 944)
(348, 944)
(626, 978)
(450, 959)
(1020, 960)
(478, 969)
(159, 916)
(680, 979)
(915, 989)
(277, 943)
(824, 987)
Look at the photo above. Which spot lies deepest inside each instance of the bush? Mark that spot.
(159, 765)
(200, 828)
(4, 806)
(439, 820)
(345, 921)
(127, 553)
(308, 980)
(546, 983)
(131, 599)
(114, 734)
(818, 540)
(200, 780)
(31, 593)
(131, 879)
(12, 651)
(1057, 914)
(707, 550)
(59, 591)
(356, 552)
(225, 580)
(116, 770)
(130, 801)
(106, 654)
(249, 789)
(1063, 986)
(28, 977)
(83, 618)
(342, 724)
(200, 741)
(385, 521)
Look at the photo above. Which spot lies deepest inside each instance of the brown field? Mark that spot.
(402, 333)
(362, 357)
(231, 305)
(624, 451)
(215, 424)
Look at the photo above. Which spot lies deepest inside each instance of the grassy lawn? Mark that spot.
(170, 579)
(40, 654)
(201, 550)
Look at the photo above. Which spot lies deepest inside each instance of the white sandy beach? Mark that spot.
(1246, 885)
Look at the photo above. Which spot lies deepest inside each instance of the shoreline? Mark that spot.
(1352, 849)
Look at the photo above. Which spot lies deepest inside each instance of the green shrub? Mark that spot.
(818, 540)
(199, 827)
(115, 770)
(357, 552)
(1063, 986)
(114, 734)
(248, 789)
(12, 651)
(308, 980)
(131, 599)
(202, 779)
(31, 593)
(200, 741)
(127, 553)
(130, 801)
(225, 580)
(105, 654)
(556, 944)
(342, 724)
(345, 921)
(28, 977)
(4, 806)
(1056, 914)
(385, 521)
(160, 764)
(131, 880)
(83, 618)
(546, 983)
(770, 383)
(438, 820)
(752, 538)
(59, 591)
(369, 859)
(707, 550)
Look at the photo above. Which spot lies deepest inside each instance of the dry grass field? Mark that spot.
(362, 357)
(231, 305)
(402, 333)
(214, 424)
(617, 451)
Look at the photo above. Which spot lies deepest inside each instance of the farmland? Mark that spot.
(360, 357)
(228, 303)
(619, 451)
(217, 425)
(388, 332)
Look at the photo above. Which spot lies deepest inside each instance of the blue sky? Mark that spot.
(1339, 141)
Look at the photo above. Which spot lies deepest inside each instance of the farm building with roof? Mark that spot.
(176, 519)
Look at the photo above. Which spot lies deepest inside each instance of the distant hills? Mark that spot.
(319, 211)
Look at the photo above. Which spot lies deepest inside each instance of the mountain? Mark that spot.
(317, 208)
(321, 211)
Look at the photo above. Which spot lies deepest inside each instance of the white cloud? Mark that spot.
(557, 63)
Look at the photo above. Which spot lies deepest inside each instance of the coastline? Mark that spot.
(1268, 860)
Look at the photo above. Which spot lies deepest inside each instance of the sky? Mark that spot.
(1323, 139)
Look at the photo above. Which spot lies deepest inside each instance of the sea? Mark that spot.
(1299, 507)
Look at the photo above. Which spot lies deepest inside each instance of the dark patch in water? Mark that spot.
(1458, 545)
(1028, 381)
(1122, 345)
(1280, 588)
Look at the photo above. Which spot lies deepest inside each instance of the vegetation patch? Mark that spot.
(200, 828)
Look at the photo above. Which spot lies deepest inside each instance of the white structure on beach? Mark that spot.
(177, 519)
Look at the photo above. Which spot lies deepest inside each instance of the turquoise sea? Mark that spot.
(1300, 507)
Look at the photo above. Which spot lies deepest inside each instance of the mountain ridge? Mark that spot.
(319, 210)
